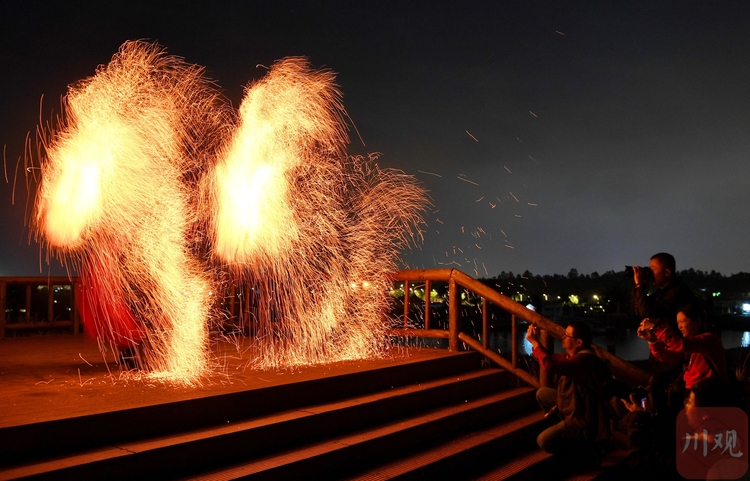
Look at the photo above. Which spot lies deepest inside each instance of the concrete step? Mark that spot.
(458, 457)
(346, 455)
(232, 441)
(44, 440)
(536, 464)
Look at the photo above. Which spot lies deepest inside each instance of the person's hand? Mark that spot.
(633, 404)
(532, 335)
(646, 330)
(648, 324)
(638, 276)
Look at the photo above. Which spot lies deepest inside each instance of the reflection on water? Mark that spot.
(624, 343)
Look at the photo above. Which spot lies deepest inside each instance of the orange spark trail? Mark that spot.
(317, 237)
(116, 198)
(161, 195)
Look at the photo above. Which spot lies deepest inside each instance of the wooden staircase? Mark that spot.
(445, 417)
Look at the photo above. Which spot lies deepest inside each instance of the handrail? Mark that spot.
(49, 322)
(621, 369)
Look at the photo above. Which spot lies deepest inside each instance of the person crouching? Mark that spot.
(578, 400)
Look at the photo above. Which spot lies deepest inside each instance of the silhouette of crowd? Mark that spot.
(688, 371)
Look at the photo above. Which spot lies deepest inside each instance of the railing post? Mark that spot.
(406, 304)
(453, 314)
(545, 379)
(485, 325)
(74, 308)
(232, 300)
(50, 302)
(427, 307)
(514, 341)
(245, 321)
(3, 300)
(28, 303)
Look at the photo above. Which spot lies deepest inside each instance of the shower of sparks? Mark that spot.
(322, 233)
(116, 197)
(429, 173)
(475, 139)
(159, 193)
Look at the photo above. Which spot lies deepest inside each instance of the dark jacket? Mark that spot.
(662, 304)
(661, 307)
(580, 391)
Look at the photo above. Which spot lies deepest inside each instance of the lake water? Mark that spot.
(627, 345)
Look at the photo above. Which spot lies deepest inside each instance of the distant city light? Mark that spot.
(530, 307)
(746, 308)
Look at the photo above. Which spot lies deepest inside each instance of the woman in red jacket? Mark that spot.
(702, 350)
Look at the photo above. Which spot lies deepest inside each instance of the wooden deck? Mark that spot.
(44, 378)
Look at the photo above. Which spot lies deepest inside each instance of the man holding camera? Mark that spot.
(578, 401)
(661, 308)
(652, 425)
(670, 294)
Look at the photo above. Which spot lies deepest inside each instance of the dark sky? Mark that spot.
(602, 132)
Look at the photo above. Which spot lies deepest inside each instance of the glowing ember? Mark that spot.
(151, 169)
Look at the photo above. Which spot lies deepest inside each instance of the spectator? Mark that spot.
(670, 293)
(578, 400)
(701, 350)
(655, 454)
(661, 308)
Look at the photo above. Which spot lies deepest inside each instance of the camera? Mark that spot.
(645, 270)
(641, 397)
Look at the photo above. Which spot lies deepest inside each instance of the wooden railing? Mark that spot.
(39, 309)
(457, 281)
(32, 316)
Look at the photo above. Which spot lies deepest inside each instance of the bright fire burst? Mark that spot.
(156, 189)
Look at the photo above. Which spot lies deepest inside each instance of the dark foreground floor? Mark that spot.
(52, 377)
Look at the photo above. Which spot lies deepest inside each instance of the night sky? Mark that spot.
(551, 135)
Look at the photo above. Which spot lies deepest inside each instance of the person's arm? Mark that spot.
(663, 306)
(702, 343)
(663, 345)
(641, 302)
(557, 364)
(649, 306)
(547, 360)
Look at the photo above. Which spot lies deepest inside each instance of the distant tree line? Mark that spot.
(611, 287)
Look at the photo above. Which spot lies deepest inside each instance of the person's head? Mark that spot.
(664, 267)
(709, 393)
(577, 337)
(706, 393)
(691, 320)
